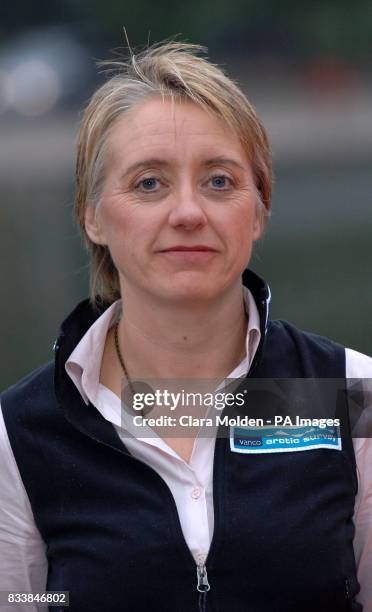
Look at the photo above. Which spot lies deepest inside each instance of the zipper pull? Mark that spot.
(203, 584)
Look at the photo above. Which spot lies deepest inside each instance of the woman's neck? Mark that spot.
(183, 341)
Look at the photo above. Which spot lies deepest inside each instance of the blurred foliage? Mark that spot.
(289, 27)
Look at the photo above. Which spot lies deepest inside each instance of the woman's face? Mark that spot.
(178, 208)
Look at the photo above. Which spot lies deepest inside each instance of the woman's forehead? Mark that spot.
(161, 128)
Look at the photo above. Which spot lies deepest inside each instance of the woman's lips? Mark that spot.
(197, 247)
(191, 254)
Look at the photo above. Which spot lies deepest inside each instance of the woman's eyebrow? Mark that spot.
(221, 159)
(145, 163)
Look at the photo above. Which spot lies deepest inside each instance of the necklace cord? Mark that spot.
(122, 363)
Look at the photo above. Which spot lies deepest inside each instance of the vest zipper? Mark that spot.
(202, 586)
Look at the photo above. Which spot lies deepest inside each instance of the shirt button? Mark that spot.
(196, 493)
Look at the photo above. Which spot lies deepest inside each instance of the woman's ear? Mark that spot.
(258, 227)
(261, 218)
(258, 223)
(93, 226)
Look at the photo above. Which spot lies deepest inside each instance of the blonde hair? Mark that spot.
(171, 69)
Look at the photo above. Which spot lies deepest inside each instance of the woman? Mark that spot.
(173, 189)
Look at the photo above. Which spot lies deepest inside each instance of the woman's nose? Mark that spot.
(187, 211)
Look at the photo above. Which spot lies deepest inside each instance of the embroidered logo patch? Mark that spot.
(268, 439)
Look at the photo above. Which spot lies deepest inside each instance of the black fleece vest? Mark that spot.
(283, 522)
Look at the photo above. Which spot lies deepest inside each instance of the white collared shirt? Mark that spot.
(22, 552)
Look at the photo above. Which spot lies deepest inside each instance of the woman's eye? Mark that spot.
(148, 184)
(220, 182)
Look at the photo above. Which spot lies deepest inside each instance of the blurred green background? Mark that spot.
(306, 66)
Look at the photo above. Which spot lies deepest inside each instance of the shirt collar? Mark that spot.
(84, 364)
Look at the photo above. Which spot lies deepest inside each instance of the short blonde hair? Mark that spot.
(172, 69)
